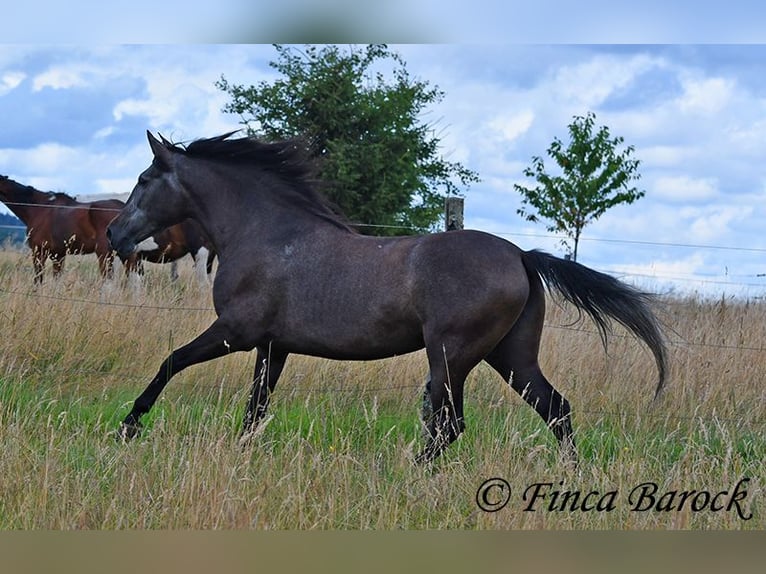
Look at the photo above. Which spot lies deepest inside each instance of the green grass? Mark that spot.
(337, 460)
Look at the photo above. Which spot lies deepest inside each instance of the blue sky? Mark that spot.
(73, 119)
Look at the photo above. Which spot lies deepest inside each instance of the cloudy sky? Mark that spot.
(73, 118)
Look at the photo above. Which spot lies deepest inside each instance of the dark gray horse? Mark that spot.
(294, 278)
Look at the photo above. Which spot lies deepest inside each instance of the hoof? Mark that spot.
(423, 458)
(128, 430)
(246, 439)
(427, 455)
(252, 429)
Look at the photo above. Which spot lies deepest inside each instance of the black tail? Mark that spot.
(602, 297)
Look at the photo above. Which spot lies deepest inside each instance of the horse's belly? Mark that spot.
(354, 338)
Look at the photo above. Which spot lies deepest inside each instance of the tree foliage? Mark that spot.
(594, 176)
(379, 162)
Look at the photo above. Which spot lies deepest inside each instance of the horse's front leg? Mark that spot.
(268, 366)
(216, 341)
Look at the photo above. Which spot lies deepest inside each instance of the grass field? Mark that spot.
(337, 450)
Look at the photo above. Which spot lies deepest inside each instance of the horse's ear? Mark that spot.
(160, 151)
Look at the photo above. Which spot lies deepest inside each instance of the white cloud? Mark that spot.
(44, 158)
(685, 189)
(103, 133)
(664, 155)
(749, 137)
(10, 81)
(116, 187)
(712, 222)
(60, 78)
(591, 82)
(183, 103)
(511, 126)
(683, 266)
(706, 96)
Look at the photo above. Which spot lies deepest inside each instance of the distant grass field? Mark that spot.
(336, 451)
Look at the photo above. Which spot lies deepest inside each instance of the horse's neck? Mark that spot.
(20, 200)
(56, 198)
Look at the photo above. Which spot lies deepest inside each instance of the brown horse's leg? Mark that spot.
(515, 358)
(58, 265)
(133, 264)
(38, 264)
(218, 340)
(268, 366)
(106, 264)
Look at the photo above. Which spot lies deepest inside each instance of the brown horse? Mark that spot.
(174, 243)
(293, 277)
(59, 225)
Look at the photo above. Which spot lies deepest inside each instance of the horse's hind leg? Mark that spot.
(554, 409)
(268, 366)
(427, 407)
(515, 358)
(58, 266)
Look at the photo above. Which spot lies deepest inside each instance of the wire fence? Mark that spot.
(416, 388)
(678, 342)
(413, 389)
(79, 205)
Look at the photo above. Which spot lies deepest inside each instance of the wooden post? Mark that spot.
(453, 213)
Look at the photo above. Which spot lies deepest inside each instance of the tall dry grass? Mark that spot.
(336, 452)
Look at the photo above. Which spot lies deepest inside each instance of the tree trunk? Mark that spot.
(578, 230)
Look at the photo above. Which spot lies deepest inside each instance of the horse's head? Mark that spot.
(156, 202)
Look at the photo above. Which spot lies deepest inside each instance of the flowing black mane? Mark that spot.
(289, 159)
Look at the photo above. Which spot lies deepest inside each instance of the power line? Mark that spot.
(690, 279)
(635, 242)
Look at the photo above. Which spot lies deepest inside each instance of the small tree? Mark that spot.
(379, 162)
(594, 177)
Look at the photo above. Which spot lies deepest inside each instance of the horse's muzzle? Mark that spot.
(121, 243)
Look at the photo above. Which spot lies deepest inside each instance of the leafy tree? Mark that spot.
(380, 163)
(594, 177)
